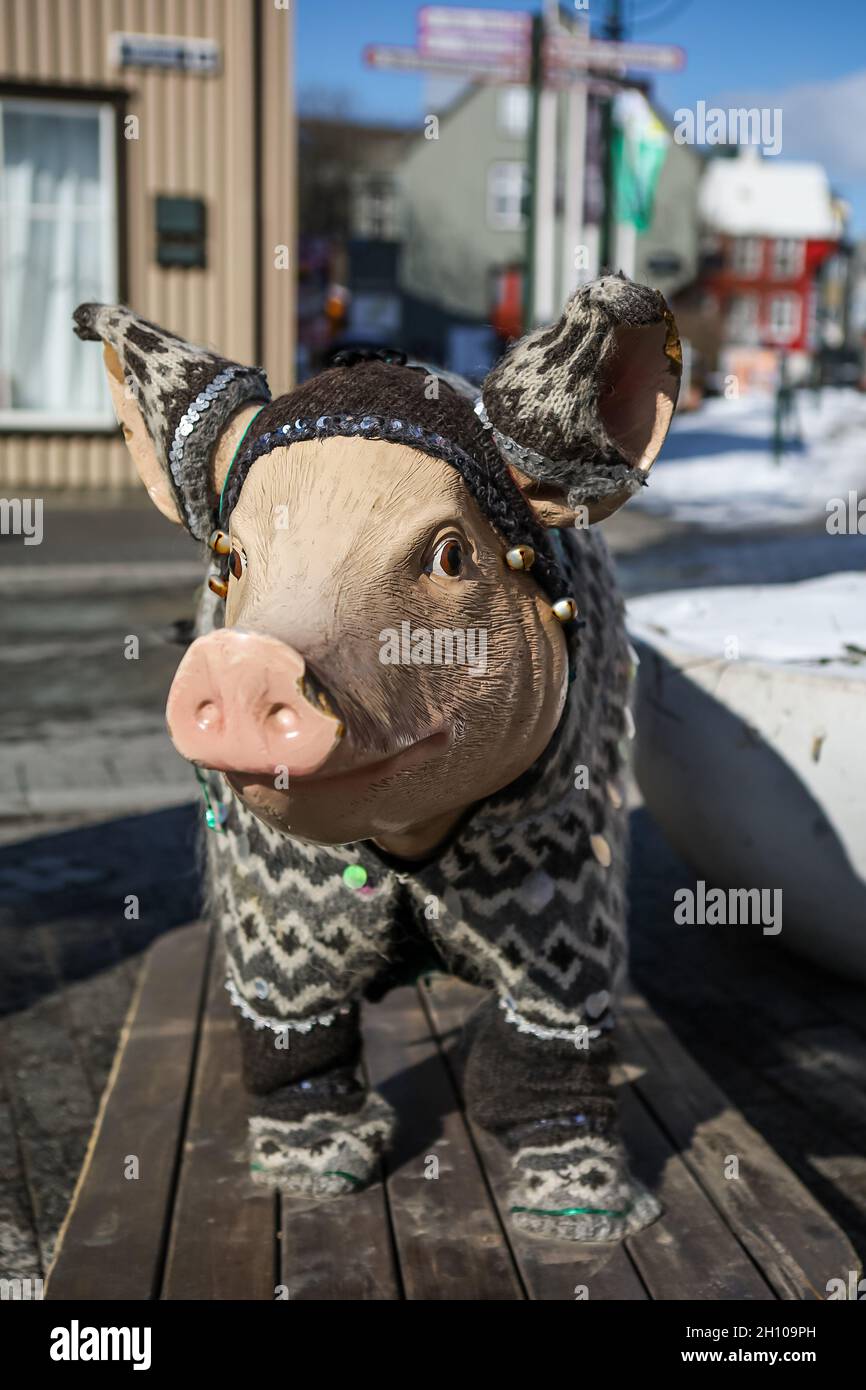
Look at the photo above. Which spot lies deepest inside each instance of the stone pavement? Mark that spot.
(107, 773)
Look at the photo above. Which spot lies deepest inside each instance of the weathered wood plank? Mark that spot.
(317, 1261)
(449, 1238)
(825, 1068)
(689, 1252)
(338, 1250)
(550, 1270)
(790, 1237)
(802, 1087)
(111, 1244)
(223, 1242)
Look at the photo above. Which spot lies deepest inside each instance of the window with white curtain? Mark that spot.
(58, 248)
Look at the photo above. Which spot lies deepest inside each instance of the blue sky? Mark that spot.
(807, 57)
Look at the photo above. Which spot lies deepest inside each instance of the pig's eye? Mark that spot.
(237, 561)
(448, 559)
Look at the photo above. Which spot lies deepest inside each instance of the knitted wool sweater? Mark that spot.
(527, 897)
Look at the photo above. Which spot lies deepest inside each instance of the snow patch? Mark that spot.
(820, 623)
(716, 469)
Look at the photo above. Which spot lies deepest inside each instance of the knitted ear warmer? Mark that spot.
(541, 400)
(382, 400)
(186, 394)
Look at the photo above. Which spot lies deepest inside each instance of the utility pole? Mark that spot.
(614, 29)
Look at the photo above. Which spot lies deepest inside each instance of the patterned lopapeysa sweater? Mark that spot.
(528, 898)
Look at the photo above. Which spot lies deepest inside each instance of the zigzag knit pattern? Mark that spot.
(579, 1189)
(324, 1155)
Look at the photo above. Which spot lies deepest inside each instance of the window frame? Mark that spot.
(495, 222)
(797, 260)
(735, 309)
(111, 106)
(747, 266)
(792, 299)
(505, 128)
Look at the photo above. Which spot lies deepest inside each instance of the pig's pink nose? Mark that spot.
(237, 704)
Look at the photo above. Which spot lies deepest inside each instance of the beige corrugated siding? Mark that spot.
(196, 138)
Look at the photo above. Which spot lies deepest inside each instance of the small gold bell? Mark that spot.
(217, 586)
(565, 609)
(520, 557)
(219, 542)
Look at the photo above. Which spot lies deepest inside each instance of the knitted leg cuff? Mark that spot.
(323, 1154)
(579, 1188)
(340, 1092)
(513, 1080)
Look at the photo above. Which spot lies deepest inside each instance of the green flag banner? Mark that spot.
(640, 146)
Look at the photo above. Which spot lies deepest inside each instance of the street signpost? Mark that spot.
(496, 46)
(514, 46)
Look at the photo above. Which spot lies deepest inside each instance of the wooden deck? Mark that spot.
(191, 1225)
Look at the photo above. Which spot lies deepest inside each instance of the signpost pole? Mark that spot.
(575, 172)
(543, 299)
(535, 85)
(608, 243)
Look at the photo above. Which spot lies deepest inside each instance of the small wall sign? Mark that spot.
(170, 54)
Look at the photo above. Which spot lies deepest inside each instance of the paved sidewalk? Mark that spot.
(108, 774)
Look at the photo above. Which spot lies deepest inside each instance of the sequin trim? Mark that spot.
(574, 1211)
(199, 406)
(509, 447)
(573, 1035)
(528, 461)
(301, 1025)
(354, 426)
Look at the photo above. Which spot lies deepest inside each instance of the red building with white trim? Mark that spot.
(768, 228)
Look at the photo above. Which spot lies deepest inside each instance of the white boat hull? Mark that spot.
(756, 772)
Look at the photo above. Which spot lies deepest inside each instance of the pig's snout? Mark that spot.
(237, 704)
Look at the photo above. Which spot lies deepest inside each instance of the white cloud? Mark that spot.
(824, 121)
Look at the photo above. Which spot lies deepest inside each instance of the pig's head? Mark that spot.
(395, 637)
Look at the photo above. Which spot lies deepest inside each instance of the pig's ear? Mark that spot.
(580, 410)
(180, 408)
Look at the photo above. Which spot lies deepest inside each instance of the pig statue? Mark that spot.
(407, 702)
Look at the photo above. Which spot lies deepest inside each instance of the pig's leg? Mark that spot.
(314, 1129)
(552, 1105)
